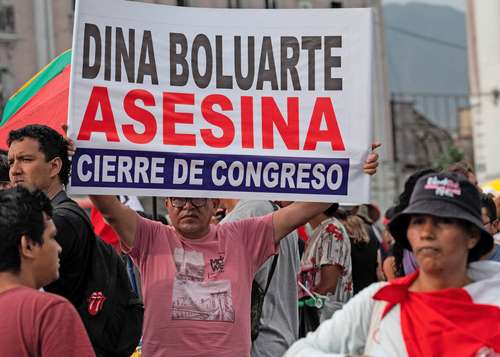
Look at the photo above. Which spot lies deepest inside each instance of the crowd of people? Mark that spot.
(244, 277)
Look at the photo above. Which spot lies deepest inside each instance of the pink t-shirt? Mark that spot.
(197, 292)
(34, 323)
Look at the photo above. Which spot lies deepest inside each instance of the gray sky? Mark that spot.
(457, 4)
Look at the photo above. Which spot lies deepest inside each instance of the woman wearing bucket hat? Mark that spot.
(449, 307)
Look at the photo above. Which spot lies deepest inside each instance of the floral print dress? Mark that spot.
(329, 245)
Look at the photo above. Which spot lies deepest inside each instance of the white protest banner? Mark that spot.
(229, 103)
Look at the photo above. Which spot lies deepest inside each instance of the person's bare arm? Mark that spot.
(389, 268)
(122, 218)
(288, 218)
(329, 276)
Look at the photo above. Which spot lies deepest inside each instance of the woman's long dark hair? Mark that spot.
(401, 204)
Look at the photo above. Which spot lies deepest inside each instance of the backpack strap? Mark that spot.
(271, 272)
(74, 208)
(275, 259)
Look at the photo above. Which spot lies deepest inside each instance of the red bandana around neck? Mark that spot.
(442, 323)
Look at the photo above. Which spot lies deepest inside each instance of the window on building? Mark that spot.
(335, 4)
(7, 18)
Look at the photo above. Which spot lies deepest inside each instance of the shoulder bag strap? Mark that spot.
(275, 259)
(271, 272)
(73, 207)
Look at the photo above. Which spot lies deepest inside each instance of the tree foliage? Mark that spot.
(452, 155)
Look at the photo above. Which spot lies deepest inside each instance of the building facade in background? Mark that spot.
(32, 33)
(483, 36)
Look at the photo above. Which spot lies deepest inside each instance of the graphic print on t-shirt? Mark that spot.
(190, 264)
(195, 299)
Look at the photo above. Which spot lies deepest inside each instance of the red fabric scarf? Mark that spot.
(442, 323)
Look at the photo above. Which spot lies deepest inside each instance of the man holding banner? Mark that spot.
(200, 103)
(197, 277)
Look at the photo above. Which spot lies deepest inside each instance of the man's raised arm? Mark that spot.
(288, 218)
(122, 218)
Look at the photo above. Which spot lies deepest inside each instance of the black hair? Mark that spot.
(398, 253)
(51, 143)
(479, 250)
(330, 211)
(21, 213)
(390, 213)
(462, 168)
(4, 168)
(404, 198)
(488, 203)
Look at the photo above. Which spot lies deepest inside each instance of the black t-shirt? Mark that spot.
(76, 242)
(364, 262)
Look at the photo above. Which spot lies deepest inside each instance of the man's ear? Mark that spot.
(26, 247)
(55, 166)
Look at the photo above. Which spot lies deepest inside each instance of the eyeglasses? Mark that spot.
(179, 202)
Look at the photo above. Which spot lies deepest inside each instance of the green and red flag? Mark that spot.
(42, 100)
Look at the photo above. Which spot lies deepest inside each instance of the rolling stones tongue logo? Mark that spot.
(95, 303)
